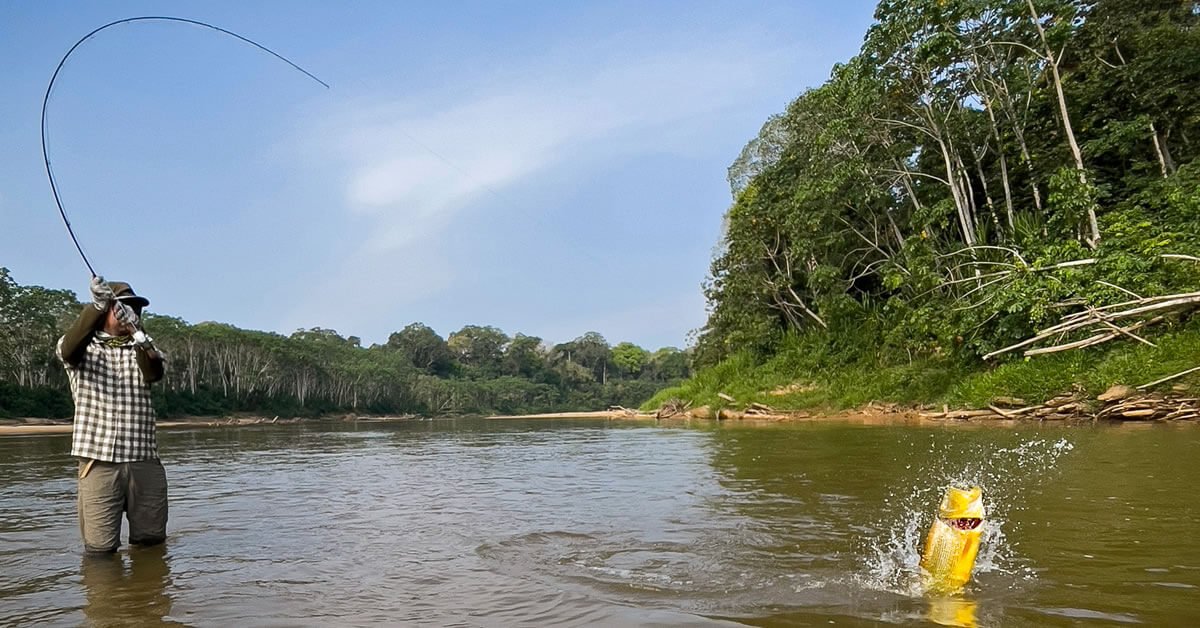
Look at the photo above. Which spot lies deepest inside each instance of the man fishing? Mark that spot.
(111, 363)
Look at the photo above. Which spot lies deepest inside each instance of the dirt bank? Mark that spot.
(25, 427)
(1117, 404)
(871, 415)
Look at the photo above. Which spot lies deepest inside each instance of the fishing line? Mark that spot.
(146, 18)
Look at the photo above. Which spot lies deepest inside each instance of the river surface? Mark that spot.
(594, 523)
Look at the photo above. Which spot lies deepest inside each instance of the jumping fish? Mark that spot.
(953, 541)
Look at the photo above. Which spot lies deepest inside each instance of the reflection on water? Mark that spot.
(952, 611)
(128, 589)
(595, 523)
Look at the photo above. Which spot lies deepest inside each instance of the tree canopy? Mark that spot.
(979, 166)
(214, 368)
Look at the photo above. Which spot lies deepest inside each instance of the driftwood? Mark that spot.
(1120, 403)
(672, 407)
(754, 410)
(760, 408)
(1153, 407)
(1010, 413)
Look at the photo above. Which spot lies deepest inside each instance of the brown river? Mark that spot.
(595, 523)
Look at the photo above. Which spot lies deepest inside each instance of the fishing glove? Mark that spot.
(102, 294)
(141, 339)
(125, 315)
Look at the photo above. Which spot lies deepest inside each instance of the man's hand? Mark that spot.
(141, 339)
(126, 316)
(102, 294)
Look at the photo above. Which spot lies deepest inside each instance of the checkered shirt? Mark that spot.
(114, 419)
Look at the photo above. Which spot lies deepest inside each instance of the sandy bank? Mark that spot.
(65, 428)
(44, 426)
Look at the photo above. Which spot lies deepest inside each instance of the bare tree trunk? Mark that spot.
(895, 229)
(989, 105)
(1066, 119)
(969, 189)
(987, 194)
(906, 179)
(1033, 184)
(1165, 163)
(960, 203)
(1008, 201)
(785, 271)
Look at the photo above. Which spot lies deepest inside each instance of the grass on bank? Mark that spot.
(805, 375)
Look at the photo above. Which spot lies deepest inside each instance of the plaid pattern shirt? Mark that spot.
(114, 419)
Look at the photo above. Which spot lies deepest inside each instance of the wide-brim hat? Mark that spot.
(125, 294)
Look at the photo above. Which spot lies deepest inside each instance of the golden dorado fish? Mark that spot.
(953, 541)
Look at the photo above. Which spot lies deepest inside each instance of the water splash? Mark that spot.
(894, 562)
(894, 555)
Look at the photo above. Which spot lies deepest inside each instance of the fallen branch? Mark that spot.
(1079, 344)
(1088, 342)
(1136, 337)
(1095, 316)
(1009, 414)
(1168, 378)
(1120, 289)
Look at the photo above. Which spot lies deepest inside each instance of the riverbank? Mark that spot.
(1121, 408)
(1120, 382)
(868, 415)
(33, 426)
(1118, 403)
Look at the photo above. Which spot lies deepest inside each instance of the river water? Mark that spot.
(504, 523)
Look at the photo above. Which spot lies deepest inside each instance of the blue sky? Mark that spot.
(549, 168)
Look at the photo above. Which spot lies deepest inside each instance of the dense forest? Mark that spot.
(215, 369)
(985, 178)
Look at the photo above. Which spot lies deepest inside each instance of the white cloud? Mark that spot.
(405, 165)
(411, 165)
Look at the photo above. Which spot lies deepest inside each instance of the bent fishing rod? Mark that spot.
(145, 18)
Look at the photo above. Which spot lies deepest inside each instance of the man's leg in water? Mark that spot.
(101, 501)
(146, 502)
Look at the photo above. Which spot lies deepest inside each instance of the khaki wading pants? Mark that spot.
(107, 489)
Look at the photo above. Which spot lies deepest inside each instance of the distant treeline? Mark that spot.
(216, 369)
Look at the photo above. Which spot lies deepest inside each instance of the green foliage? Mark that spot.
(30, 319)
(478, 348)
(216, 369)
(927, 205)
(423, 348)
(1086, 372)
(34, 401)
(807, 373)
(943, 136)
(1069, 200)
(630, 358)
